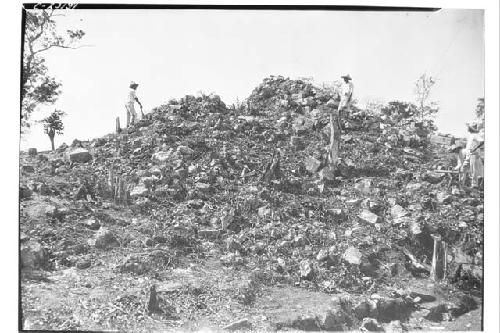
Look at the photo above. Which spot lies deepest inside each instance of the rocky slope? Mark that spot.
(201, 213)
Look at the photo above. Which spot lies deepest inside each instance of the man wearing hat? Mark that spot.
(129, 105)
(346, 91)
(460, 167)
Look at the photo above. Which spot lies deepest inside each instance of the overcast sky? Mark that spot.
(171, 53)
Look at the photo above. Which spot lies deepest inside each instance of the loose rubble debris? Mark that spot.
(249, 186)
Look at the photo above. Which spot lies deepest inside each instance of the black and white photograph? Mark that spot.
(205, 167)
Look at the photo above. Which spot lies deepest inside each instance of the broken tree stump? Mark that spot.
(438, 270)
(111, 181)
(118, 128)
(333, 150)
(121, 194)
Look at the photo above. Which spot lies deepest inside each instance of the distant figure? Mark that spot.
(345, 104)
(346, 93)
(460, 167)
(129, 105)
(475, 141)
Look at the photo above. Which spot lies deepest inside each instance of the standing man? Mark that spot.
(129, 105)
(475, 141)
(460, 167)
(346, 91)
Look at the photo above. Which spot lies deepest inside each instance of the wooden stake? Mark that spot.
(334, 140)
(438, 271)
(118, 128)
(111, 181)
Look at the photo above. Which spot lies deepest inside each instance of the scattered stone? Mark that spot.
(369, 217)
(444, 198)
(264, 212)
(422, 297)
(240, 325)
(133, 264)
(162, 156)
(27, 169)
(327, 173)
(184, 150)
(433, 177)
(211, 234)
(306, 270)
(399, 214)
(105, 239)
(366, 308)
(92, 224)
(312, 164)
(413, 187)
(374, 206)
(364, 185)
(138, 191)
(437, 312)
(83, 264)
(393, 309)
(80, 155)
(352, 255)
(371, 325)
(394, 326)
(24, 192)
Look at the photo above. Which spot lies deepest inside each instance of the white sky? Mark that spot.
(171, 53)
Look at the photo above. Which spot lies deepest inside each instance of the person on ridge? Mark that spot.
(473, 160)
(346, 92)
(130, 104)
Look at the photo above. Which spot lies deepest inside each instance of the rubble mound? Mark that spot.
(248, 186)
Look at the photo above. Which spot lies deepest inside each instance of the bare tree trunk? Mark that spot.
(51, 137)
(118, 129)
(438, 271)
(111, 181)
(334, 148)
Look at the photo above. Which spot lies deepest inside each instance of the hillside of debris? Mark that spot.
(201, 213)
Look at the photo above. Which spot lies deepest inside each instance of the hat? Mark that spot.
(347, 76)
(133, 83)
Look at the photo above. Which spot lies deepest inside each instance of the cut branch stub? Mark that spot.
(438, 271)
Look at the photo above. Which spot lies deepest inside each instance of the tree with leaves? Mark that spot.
(41, 35)
(423, 88)
(53, 125)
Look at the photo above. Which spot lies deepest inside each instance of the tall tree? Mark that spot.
(41, 35)
(422, 89)
(53, 125)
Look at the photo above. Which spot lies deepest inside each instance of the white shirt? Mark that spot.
(346, 90)
(131, 96)
(473, 141)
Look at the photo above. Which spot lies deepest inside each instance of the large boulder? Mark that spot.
(352, 255)
(80, 155)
